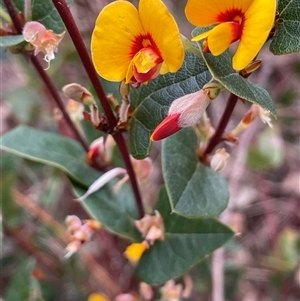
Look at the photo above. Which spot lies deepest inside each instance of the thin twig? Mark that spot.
(76, 37)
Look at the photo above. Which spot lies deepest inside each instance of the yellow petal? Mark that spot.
(259, 21)
(164, 68)
(135, 251)
(160, 24)
(97, 297)
(220, 37)
(201, 36)
(116, 28)
(204, 13)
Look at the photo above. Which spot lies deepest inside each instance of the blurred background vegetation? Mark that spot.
(261, 262)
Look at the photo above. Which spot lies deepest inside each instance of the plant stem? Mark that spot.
(217, 137)
(46, 79)
(64, 11)
(76, 37)
(58, 100)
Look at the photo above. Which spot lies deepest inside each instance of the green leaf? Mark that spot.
(21, 284)
(151, 102)
(221, 69)
(116, 212)
(194, 189)
(45, 13)
(287, 34)
(187, 242)
(48, 148)
(8, 41)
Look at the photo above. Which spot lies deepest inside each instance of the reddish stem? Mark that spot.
(76, 37)
(46, 79)
(217, 137)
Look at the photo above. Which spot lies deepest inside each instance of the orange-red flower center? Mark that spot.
(236, 16)
(145, 58)
(143, 41)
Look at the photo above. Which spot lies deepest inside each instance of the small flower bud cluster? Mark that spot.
(152, 228)
(79, 232)
(175, 292)
(80, 94)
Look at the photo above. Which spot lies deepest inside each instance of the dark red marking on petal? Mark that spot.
(142, 41)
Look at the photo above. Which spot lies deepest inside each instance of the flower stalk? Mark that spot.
(64, 11)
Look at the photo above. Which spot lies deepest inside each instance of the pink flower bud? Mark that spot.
(146, 291)
(41, 39)
(73, 223)
(171, 291)
(78, 93)
(125, 297)
(183, 112)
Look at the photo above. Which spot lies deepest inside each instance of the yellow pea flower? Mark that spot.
(136, 45)
(248, 21)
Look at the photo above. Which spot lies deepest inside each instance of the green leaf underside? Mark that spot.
(48, 148)
(194, 189)
(287, 35)
(8, 41)
(45, 13)
(221, 69)
(187, 242)
(151, 102)
(116, 212)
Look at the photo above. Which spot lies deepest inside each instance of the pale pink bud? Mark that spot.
(101, 148)
(146, 291)
(73, 223)
(154, 234)
(125, 297)
(188, 286)
(84, 233)
(42, 39)
(219, 159)
(144, 224)
(171, 291)
(78, 93)
(183, 112)
(75, 110)
(151, 227)
(95, 118)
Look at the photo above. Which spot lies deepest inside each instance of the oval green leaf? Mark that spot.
(151, 102)
(221, 69)
(287, 34)
(116, 212)
(194, 189)
(187, 242)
